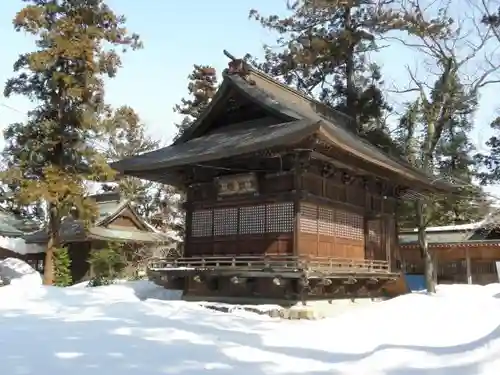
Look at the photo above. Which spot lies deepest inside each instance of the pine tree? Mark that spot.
(435, 129)
(51, 154)
(452, 155)
(491, 159)
(155, 202)
(62, 267)
(128, 138)
(201, 88)
(325, 53)
(455, 161)
(326, 46)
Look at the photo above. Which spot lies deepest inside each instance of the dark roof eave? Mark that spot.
(143, 163)
(409, 174)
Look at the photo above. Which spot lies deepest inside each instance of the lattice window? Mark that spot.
(202, 223)
(279, 217)
(225, 221)
(253, 219)
(349, 225)
(308, 219)
(326, 221)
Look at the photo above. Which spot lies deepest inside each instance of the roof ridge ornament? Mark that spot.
(238, 67)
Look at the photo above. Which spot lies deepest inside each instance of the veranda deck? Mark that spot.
(274, 265)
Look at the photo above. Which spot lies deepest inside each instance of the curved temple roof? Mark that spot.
(301, 116)
(109, 207)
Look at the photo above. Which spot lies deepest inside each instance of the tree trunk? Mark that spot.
(48, 267)
(424, 249)
(53, 244)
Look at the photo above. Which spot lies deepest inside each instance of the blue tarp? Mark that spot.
(415, 282)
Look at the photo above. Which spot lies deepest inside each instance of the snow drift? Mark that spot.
(121, 329)
(19, 273)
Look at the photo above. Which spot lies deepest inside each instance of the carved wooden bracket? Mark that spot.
(328, 170)
(189, 176)
(347, 179)
(303, 160)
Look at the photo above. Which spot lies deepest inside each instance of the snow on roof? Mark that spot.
(19, 246)
(450, 228)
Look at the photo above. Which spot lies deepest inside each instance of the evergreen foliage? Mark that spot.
(202, 86)
(128, 138)
(50, 155)
(156, 203)
(451, 153)
(491, 158)
(62, 267)
(325, 53)
(329, 50)
(107, 264)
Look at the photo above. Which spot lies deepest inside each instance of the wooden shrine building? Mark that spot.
(466, 253)
(117, 222)
(285, 202)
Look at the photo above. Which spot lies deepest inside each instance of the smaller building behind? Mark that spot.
(117, 222)
(466, 253)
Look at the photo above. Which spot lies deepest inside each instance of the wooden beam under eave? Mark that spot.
(377, 168)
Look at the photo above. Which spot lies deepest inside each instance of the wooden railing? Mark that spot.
(275, 263)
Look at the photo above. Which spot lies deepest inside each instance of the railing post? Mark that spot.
(233, 263)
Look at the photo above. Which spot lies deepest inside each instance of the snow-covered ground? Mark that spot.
(119, 330)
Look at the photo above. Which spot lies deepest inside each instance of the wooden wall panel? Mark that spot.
(124, 223)
(373, 198)
(327, 246)
(242, 245)
(486, 252)
(330, 232)
(276, 183)
(308, 244)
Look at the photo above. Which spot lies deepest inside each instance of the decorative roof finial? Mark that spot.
(236, 66)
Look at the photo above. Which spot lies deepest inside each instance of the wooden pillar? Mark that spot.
(296, 226)
(386, 239)
(300, 166)
(297, 185)
(436, 267)
(468, 266)
(188, 209)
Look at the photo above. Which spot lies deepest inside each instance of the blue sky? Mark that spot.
(177, 35)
